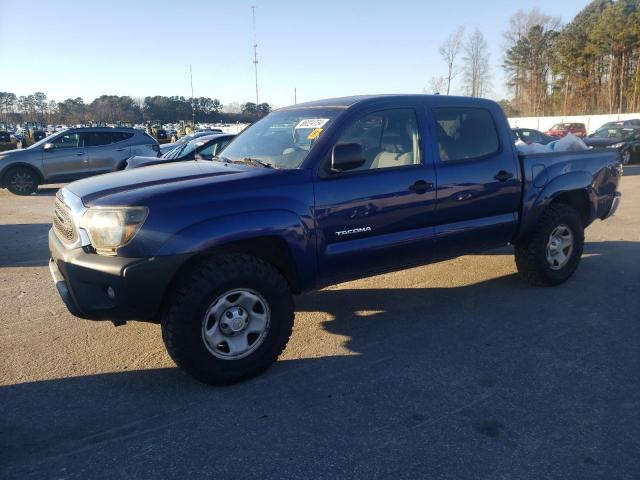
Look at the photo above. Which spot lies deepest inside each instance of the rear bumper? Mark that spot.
(83, 280)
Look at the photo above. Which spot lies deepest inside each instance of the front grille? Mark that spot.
(63, 223)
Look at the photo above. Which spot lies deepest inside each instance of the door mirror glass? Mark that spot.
(347, 156)
(48, 147)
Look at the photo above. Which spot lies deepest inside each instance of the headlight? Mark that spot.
(617, 145)
(111, 228)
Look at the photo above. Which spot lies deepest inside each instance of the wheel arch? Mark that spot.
(6, 169)
(573, 189)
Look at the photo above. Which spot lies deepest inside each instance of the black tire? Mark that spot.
(182, 319)
(21, 180)
(531, 254)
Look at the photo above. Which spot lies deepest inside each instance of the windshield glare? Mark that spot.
(283, 138)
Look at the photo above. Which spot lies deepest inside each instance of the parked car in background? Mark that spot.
(167, 147)
(529, 135)
(633, 123)
(561, 129)
(313, 195)
(70, 155)
(625, 140)
(204, 148)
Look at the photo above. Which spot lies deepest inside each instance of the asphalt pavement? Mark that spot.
(456, 370)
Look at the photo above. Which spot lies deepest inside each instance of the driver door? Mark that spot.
(68, 160)
(378, 216)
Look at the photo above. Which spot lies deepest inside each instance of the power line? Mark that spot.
(193, 112)
(255, 51)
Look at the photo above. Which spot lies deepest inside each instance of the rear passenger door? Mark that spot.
(478, 180)
(105, 155)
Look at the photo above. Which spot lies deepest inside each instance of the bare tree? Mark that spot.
(520, 24)
(436, 85)
(449, 51)
(476, 65)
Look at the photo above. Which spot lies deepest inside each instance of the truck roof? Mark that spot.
(346, 102)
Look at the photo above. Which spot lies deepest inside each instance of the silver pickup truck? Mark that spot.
(71, 155)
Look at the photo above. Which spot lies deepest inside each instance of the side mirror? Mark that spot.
(347, 156)
(48, 147)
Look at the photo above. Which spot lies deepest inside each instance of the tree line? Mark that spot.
(590, 65)
(114, 108)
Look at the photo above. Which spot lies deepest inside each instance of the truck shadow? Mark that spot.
(631, 170)
(476, 365)
(24, 245)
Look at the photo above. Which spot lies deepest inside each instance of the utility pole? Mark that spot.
(193, 112)
(255, 51)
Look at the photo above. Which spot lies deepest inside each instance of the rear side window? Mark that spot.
(96, 139)
(120, 136)
(465, 133)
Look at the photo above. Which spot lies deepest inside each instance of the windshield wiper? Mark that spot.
(255, 161)
(247, 161)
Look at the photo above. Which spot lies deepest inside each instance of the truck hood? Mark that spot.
(90, 189)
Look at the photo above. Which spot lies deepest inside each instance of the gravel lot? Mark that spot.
(454, 370)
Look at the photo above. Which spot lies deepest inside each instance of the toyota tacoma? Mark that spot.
(312, 195)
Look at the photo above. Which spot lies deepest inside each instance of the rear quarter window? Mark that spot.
(465, 133)
(120, 136)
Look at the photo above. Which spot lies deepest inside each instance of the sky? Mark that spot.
(83, 48)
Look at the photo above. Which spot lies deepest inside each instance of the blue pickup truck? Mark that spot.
(312, 195)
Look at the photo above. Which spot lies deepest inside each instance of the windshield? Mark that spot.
(183, 150)
(616, 133)
(282, 139)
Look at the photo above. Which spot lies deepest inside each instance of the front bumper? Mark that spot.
(83, 280)
(610, 206)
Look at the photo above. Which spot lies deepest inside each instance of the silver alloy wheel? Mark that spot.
(22, 181)
(559, 247)
(236, 324)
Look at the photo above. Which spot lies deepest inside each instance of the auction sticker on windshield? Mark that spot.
(312, 123)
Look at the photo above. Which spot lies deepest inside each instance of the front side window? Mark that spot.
(389, 138)
(465, 133)
(68, 140)
(282, 139)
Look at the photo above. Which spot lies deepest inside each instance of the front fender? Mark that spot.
(296, 232)
(536, 200)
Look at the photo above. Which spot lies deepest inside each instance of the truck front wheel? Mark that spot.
(550, 255)
(229, 319)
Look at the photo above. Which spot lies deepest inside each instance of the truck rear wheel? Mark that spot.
(551, 254)
(229, 319)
